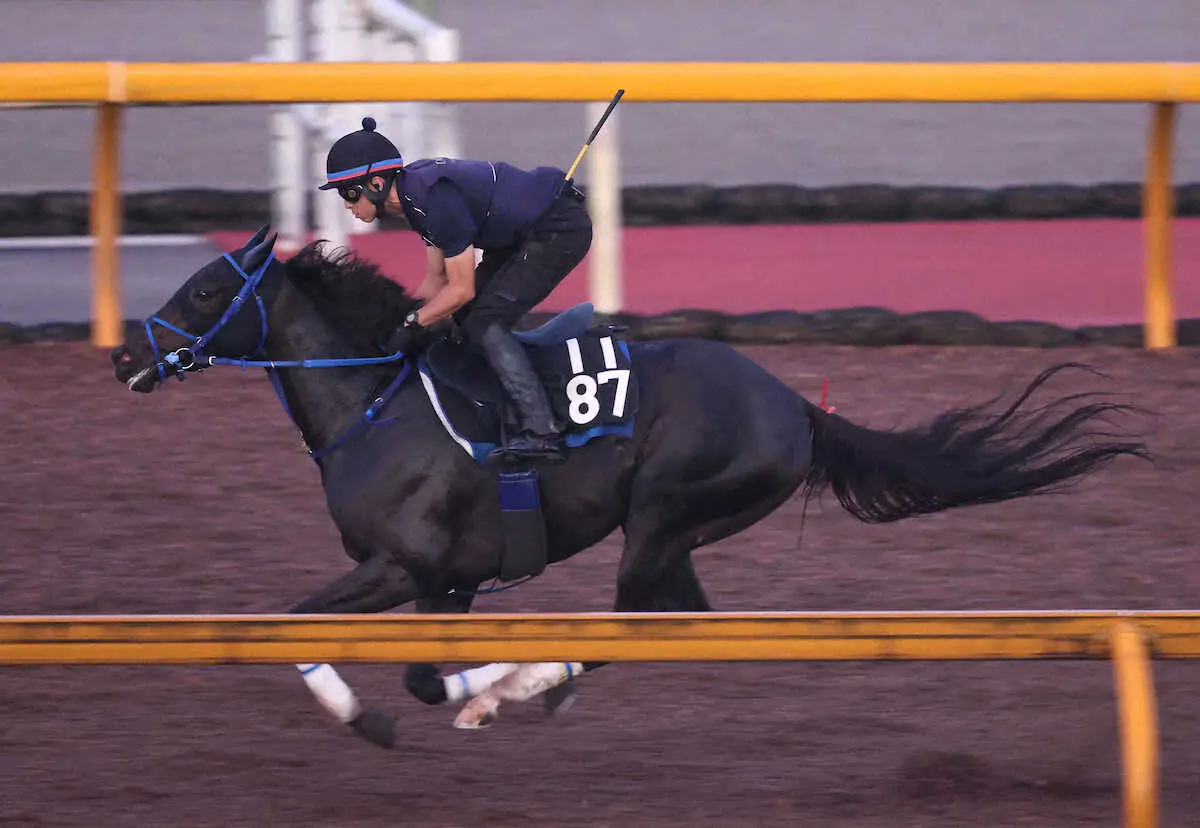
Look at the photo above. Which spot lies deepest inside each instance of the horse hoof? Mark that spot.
(558, 700)
(424, 682)
(481, 723)
(477, 714)
(376, 727)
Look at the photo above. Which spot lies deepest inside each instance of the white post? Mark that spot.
(288, 193)
(378, 44)
(441, 129)
(406, 126)
(331, 217)
(360, 30)
(604, 204)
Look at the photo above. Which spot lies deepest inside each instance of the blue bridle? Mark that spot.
(185, 359)
(191, 357)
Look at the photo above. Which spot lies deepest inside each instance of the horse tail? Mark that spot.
(965, 457)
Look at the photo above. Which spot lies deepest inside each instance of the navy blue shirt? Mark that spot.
(456, 203)
(449, 224)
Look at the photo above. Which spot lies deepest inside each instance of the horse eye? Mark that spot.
(201, 295)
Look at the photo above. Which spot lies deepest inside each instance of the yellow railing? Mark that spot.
(139, 83)
(1130, 639)
(111, 85)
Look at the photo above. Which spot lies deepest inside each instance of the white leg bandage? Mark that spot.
(470, 683)
(534, 679)
(333, 693)
(522, 684)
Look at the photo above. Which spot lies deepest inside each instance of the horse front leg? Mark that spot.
(426, 683)
(377, 584)
(650, 581)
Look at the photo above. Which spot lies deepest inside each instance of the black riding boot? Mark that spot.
(540, 438)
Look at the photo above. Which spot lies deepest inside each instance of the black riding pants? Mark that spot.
(510, 282)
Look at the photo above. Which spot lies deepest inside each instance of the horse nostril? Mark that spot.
(119, 354)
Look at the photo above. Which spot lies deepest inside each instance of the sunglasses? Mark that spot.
(351, 192)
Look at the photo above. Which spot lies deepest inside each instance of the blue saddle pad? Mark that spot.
(587, 375)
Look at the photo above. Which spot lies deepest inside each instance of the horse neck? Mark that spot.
(323, 402)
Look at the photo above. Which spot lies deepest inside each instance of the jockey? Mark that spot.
(531, 226)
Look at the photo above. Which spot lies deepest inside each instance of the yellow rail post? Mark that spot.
(1158, 207)
(1139, 724)
(106, 228)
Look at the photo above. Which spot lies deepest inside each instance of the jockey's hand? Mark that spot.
(406, 336)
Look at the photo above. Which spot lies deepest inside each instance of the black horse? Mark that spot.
(717, 443)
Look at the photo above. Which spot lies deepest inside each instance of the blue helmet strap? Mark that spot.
(185, 359)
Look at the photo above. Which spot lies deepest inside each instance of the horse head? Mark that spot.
(221, 310)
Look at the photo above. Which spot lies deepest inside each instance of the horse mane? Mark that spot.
(350, 293)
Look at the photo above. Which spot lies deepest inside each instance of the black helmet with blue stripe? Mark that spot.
(360, 155)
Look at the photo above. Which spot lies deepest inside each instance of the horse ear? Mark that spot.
(255, 240)
(255, 257)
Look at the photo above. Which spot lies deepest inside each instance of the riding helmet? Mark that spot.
(359, 155)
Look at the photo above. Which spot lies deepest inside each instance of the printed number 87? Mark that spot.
(582, 388)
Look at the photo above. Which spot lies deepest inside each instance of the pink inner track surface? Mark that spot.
(1070, 272)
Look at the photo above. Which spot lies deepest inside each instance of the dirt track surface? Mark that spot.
(198, 500)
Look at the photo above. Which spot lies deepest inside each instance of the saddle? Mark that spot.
(463, 368)
(584, 368)
(592, 389)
